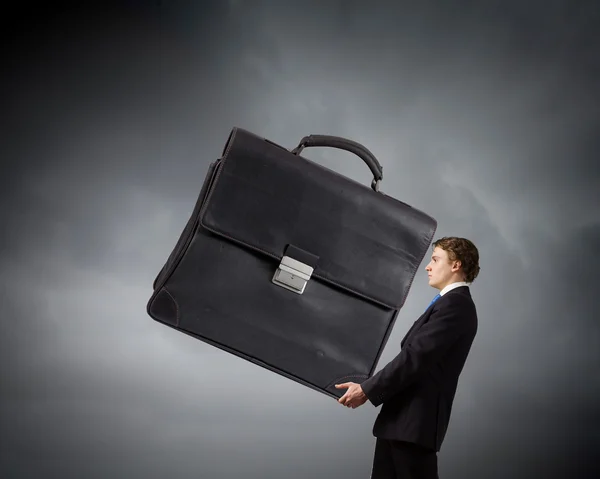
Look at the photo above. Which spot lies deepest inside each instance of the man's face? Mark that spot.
(441, 270)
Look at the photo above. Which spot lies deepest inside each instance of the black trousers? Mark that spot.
(403, 460)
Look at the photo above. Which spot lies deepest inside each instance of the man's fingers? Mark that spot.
(345, 400)
(349, 395)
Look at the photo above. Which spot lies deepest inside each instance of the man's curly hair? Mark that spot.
(463, 250)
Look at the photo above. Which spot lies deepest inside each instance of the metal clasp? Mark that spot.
(292, 274)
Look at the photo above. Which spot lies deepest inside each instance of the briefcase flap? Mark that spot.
(270, 200)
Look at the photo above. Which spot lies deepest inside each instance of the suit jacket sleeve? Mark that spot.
(428, 345)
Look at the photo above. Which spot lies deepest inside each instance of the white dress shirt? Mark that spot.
(451, 286)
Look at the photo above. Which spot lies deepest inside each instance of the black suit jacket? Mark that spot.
(417, 387)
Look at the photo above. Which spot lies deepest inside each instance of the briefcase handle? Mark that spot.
(348, 145)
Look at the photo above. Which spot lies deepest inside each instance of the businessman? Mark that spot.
(416, 389)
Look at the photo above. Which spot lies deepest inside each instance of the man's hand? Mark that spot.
(354, 396)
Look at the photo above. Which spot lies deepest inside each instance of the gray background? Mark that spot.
(486, 117)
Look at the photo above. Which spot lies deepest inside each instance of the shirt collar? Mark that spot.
(451, 286)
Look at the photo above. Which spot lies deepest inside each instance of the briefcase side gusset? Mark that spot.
(161, 305)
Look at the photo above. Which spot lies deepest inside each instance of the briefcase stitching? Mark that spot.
(175, 303)
(343, 378)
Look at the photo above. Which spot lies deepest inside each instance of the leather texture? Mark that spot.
(259, 202)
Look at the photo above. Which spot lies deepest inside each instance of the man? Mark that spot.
(417, 387)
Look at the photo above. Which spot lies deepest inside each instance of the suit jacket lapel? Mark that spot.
(414, 327)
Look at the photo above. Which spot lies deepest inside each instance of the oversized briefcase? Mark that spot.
(292, 266)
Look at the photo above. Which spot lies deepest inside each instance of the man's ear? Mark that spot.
(456, 266)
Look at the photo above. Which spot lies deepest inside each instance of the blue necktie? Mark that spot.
(437, 296)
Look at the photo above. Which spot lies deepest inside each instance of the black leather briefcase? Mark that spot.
(292, 266)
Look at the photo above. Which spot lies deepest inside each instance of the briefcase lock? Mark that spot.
(292, 274)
